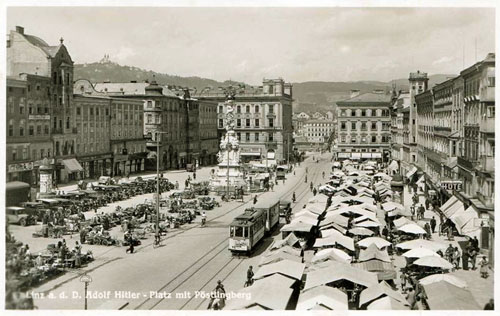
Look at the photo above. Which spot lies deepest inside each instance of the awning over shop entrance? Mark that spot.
(72, 165)
(411, 172)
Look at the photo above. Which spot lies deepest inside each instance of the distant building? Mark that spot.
(363, 130)
(399, 116)
(318, 132)
(263, 119)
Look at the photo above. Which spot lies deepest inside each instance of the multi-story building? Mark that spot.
(318, 132)
(28, 126)
(208, 133)
(456, 142)
(476, 165)
(263, 120)
(364, 126)
(31, 55)
(173, 116)
(399, 118)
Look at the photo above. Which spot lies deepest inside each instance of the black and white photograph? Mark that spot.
(328, 156)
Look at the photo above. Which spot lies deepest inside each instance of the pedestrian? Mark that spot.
(490, 306)
(311, 186)
(255, 199)
(314, 191)
(427, 228)
(186, 183)
(410, 297)
(449, 253)
(176, 186)
(250, 275)
(421, 211)
(194, 175)
(473, 257)
(475, 243)
(484, 267)
(403, 282)
(272, 186)
(456, 258)
(433, 224)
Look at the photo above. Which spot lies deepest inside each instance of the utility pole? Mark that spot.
(157, 222)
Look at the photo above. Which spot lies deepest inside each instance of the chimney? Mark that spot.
(354, 93)
(20, 29)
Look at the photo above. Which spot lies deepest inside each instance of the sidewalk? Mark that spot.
(481, 289)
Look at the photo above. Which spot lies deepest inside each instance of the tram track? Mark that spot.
(196, 267)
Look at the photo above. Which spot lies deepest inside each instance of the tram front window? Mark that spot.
(231, 231)
(238, 232)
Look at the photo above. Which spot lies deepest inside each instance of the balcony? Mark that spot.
(486, 164)
(465, 163)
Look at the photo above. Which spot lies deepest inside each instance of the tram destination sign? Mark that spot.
(451, 185)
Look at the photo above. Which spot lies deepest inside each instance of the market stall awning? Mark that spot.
(458, 206)
(462, 219)
(445, 296)
(290, 240)
(297, 227)
(419, 253)
(410, 173)
(361, 231)
(331, 254)
(72, 165)
(412, 229)
(332, 237)
(273, 258)
(433, 278)
(377, 241)
(266, 294)
(372, 252)
(434, 262)
(448, 203)
(331, 298)
(285, 267)
(380, 290)
(339, 271)
(387, 303)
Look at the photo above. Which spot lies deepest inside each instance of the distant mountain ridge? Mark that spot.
(308, 96)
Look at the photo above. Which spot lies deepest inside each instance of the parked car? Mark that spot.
(17, 215)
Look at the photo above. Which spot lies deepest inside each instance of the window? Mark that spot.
(11, 128)
(342, 139)
(491, 111)
(221, 109)
(30, 110)
(342, 113)
(247, 123)
(353, 139)
(363, 112)
(374, 139)
(221, 123)
(149, 119)
(107, 112)
(78, 111)
(247, 109)
(46, 129)
(31, 130)
(353, 126)
(21, 131)
(91, 111)
(363, 126)
(46, 110)
(256, 109)
(256, 137)
(14, 154)
(247, 137)
(38, 131)
(491, 81)
(342, 126)
(353, 112)
(271, 122)
(21, 109)
(257, 122)
(413, 121)
(238, 123)
(238, 109)
(374, 126)
(67, 122)
(271, 137)
(149, 104)
(238, 135)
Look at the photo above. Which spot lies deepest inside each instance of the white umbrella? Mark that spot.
(419, 253)
(412, 229)
(421, 243)
(436, 262)
(433, 278)
(377, 241)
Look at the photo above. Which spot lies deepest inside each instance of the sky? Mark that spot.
(249, 44)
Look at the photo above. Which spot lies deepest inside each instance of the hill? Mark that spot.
(308, 96)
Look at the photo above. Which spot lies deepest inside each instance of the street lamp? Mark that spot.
(157, 222)
(86, 279)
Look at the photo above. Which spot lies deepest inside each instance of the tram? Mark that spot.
(281, 172)
(249, 228)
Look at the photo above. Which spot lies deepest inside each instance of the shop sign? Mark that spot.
(20, 167)
(451, 185)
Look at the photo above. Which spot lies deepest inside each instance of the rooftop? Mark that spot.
(369, 97)
(128, 88)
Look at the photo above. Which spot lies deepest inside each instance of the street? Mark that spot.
(176, 275)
